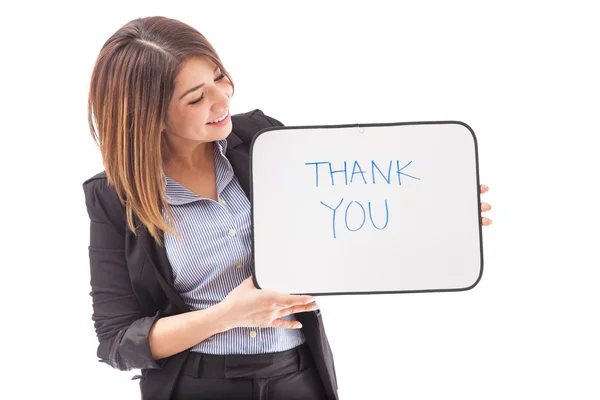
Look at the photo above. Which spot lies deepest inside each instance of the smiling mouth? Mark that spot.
(220, 119)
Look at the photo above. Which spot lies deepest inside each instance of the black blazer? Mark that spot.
(132, 284)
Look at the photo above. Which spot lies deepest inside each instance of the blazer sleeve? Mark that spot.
(121, 327)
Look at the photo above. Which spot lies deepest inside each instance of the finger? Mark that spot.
(290, 300)
(486, 206)
(298, 308)
(486, 221)
(484, 188)
(284, 323)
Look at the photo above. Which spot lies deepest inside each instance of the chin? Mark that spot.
(221, 132)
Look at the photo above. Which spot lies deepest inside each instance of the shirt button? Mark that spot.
(253, 334)
(223, 203)
(231, 232)
(238, 266)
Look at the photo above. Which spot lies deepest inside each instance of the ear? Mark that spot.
(164, 126)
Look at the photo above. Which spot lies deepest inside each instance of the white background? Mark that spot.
(523, 74)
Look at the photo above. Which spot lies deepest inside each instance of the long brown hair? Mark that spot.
(130, 90)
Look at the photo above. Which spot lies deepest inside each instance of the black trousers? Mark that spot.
(286, 375)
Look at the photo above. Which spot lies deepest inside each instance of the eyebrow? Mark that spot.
(196, 87)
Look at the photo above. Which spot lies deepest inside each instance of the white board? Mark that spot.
(406, 200)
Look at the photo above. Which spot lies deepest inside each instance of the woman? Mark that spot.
(170, 231)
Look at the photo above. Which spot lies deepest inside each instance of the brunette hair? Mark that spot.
(131, 87)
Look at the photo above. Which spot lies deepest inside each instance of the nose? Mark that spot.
(222, 99)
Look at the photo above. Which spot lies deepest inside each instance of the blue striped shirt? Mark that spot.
(215, 257)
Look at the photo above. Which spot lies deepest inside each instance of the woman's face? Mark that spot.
(201, 96)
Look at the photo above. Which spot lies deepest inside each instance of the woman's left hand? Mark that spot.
(485, 207)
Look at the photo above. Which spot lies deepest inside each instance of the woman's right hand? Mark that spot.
(247, 306)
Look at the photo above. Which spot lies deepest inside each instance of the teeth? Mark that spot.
(219, 119)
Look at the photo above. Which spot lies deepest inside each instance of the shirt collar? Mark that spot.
(222, 145)
(178, 194)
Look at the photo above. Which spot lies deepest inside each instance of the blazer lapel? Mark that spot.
(157, 256)
(237, 154)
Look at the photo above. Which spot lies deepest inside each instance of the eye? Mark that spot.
(201, 97)
(198, 101)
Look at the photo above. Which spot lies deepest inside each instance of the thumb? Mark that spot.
(249, 282)
(285, 323)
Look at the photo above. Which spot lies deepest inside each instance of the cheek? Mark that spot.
(196, 122)
(189, 121)
(192, 118)
(197, 113)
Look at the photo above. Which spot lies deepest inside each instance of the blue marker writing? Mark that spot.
(316, 164)
(399, 172)
(334, 210)
(364, 216)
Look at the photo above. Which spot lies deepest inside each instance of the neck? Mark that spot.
(198, 159)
